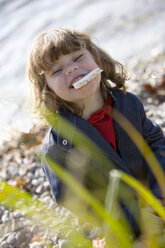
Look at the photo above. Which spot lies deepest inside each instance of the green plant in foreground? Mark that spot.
(16, 198)
(114, 226)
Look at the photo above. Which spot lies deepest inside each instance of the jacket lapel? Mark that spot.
(95, 136)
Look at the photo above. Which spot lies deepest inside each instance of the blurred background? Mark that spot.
(130, 30)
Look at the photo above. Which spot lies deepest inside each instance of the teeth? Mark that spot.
(77, 79)
(84, 80)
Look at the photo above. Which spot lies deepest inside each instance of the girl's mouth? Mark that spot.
(75, 80)
(83, 80)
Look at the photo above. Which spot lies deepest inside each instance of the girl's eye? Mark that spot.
(77, 58)
(57, 71)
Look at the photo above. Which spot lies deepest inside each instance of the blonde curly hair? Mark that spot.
(47, 48)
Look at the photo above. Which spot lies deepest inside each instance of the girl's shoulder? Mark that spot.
(119, 95)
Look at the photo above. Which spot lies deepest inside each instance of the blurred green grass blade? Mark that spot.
(143, 191)
(114, 225)
(112, 193)
(18, 199)
(112, 204)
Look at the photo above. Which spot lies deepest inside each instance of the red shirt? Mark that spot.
(102, 121)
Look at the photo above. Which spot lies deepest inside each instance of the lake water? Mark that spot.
(129, 30)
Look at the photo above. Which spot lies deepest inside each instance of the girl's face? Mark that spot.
(66, 70)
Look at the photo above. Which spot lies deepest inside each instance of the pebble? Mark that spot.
(5, 218)
(20, 237)
(11, 240)
(4, 244)
(16, 214)
(22, 171)
(33, 167)
(40, 189)
(65, 244)
(1, 213)
(37, 245)
(35, 182)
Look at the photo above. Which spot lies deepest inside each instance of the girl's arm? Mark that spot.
(54, 182)
(155, 138)
(50, 149)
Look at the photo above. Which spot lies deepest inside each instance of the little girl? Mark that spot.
(58, 69)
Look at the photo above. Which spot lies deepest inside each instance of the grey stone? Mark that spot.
(40, 189)
(33, 167)
(30, 175)
(25, 161)
(46, 185)
(11, 240)
(22, 171)
(38, 173)
(3, 175)
(33, 229)
(5, 218)
(46, 199)
(4, 244)
(1, 213)
(52, 204)
(23, 245)
(58, 210)
(65, 244)
(20, 237)
(36, 245)
(16, 214)
(35, 182)
(46, 193)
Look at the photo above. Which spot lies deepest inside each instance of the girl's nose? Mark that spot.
(71, 69)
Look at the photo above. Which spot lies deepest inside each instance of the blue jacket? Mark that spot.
(128, 158)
